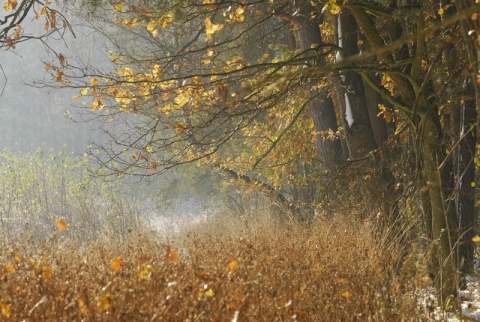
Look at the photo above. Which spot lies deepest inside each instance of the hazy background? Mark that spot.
(31, 116)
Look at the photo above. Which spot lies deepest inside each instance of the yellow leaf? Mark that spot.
(440, 11)
(93, 82)
(119, 6)
(155, 33)
(75, 97)
(149, 149)
(210, 293)
(232, 267)
(181, 99)
(347, 294)
(116, 264)
(105, 302)
(151, 25)
(84, 91)
(164, 20)
(211, 28)
(9, 268)
(144, 271)
(132, 22)
(239, 14)
(134, 155)
(10, 5)
(83, 307)
(47, 271)
(61, 225)
(476, 239)
(6, 311)
(336, 9)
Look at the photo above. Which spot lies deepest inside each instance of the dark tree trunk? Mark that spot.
(321, 105)
(351, 93)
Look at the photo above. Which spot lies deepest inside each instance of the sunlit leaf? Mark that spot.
(181, 99)
(144, 271)
(149, 149)
(119, 6)
(5, 309)
(18, 258)
(211, 28)
(347, 294)
(171, 255)
(84, 91)
(93, 81)
(476, 239)
(151, 25)
(83, 307)
(105, 302)
(116, 264)
(75, 97)
(61, 224)
(46, 270)
(9, 268)
(10, 5)
(232, 267)
(130, 23)
(209, 293)
(134, 155)
(164, 20)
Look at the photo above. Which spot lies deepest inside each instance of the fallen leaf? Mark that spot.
(61, 225)
(116, 264)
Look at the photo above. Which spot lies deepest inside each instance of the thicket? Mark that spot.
(220, 271)
(75, 249)
(40, 188)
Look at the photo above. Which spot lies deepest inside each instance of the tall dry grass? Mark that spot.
(223, 269)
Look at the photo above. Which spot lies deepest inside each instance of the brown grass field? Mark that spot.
(222, 270)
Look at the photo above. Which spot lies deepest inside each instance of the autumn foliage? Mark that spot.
(220, 271)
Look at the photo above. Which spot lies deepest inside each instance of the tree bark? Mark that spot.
(321, 105)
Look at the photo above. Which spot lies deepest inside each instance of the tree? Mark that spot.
(253, 88)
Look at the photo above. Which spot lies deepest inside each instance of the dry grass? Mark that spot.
(222, 270)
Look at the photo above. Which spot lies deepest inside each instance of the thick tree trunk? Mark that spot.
(321, 105)
(466, 149)
(359, 135)
(442, 217)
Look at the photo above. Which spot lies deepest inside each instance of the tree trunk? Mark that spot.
(466, 149)
(321, 105)
(359, 135)
(442, 213)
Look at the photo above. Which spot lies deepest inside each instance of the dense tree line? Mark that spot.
(302, 100)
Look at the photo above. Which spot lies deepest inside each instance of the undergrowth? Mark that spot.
(76, 250)
(330, 271)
